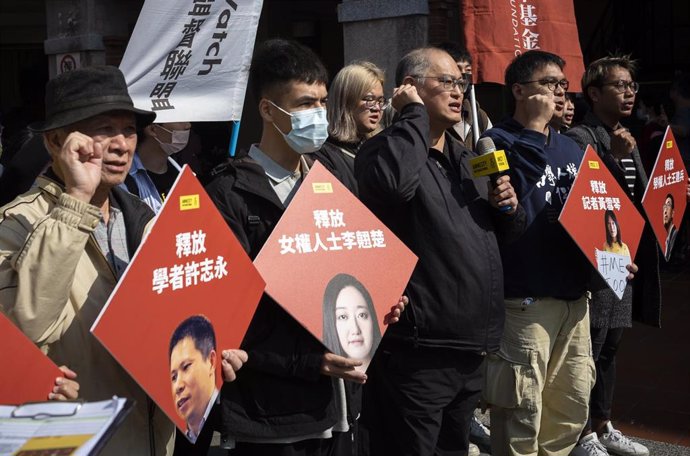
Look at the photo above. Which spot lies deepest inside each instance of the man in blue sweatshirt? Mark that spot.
(539, 382)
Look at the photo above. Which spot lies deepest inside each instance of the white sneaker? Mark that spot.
(473, 450)
(616, 443)
(589, 445)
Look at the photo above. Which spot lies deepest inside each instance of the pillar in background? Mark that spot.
(382, 31)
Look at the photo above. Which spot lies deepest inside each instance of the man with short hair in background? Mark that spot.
(154, 169)
(609, 87)
(463, 131)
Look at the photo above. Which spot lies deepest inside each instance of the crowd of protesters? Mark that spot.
(485, 317)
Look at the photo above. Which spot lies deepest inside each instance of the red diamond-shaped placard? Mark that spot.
(594, 200)
(330, 261)
(664, 199)
(190, 265)
(28, 374)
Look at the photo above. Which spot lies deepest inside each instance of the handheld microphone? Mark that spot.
(490, 162)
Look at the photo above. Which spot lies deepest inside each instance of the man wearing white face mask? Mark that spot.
(285, 401)
(153, 169)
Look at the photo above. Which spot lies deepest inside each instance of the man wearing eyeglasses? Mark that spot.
(426, 378)
(154, 170)
(610, 90)
(539, 381)
(463, 130)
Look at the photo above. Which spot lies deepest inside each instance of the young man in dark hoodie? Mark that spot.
(538, 384)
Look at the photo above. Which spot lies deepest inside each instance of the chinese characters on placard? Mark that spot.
(671, 176)
(341, 240)
(190, 273)
(600, 203)
(178, 59)
(524, 21)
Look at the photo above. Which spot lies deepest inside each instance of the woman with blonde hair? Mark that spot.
(355, 108)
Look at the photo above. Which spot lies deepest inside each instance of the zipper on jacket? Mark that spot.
(485, 349)
(152, 436)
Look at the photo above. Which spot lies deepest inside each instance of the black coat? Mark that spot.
(280, 391)
(334, 155)
(433, 204)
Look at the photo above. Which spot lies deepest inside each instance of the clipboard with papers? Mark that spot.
(60, 428)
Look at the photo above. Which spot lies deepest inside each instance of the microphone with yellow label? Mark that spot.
(490, 162)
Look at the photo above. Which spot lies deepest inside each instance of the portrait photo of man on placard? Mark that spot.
(193, 361)
(671, 230)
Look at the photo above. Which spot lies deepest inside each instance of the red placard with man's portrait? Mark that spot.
(335, 267)
(189, 293)
(602, 221)
(664, 199)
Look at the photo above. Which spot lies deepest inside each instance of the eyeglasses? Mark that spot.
(370, 102)
(447, 82)
(622, 86)
(551, 83)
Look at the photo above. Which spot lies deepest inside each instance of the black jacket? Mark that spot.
(280, 391)
(431, 202)
(334, 157)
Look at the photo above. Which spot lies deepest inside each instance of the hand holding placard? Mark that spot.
(66, 388)
(612, 268)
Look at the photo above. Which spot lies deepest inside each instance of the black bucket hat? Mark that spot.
(79, 94)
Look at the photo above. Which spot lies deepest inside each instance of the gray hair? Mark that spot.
(414, 63)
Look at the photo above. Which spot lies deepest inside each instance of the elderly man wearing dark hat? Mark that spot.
(65, 243)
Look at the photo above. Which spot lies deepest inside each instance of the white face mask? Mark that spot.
(180, 138)
(309, 129)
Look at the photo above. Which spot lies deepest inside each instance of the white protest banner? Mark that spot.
(188, 60)
(612, 268)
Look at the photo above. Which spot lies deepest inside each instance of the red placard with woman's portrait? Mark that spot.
(602, 221)
(335, 267)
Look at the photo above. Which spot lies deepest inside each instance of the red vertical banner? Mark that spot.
(602, 221)
(664, 199)
(335, 267)
(27, 374)
(496, 32)
(189, 292)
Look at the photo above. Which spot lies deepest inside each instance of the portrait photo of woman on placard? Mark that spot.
(614, 243)
(350, 326)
